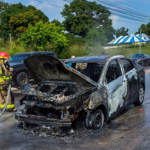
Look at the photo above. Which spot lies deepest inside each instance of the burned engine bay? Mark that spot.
(52, 100)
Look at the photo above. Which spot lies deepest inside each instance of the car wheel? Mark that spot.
(21, 78)
(95, 120)
(140, 98)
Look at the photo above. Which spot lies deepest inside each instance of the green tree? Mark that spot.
(56, 22)
(3, 7)
(72, 40)
(42, 34)
(96, 36)
(19, 23)
(121, 32)
(143, 28)
(11, 11)
(80, 16)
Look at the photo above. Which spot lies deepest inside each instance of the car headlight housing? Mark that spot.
(11, 69)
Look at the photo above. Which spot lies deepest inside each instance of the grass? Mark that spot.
(128, 50)
(12, 48)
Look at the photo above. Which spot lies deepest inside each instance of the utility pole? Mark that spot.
(140, 42)
(10, 40)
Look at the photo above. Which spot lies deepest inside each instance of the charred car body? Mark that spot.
(101, 86)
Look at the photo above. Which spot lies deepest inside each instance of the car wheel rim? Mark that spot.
(141, 95)
(97, 120)
(23, 79)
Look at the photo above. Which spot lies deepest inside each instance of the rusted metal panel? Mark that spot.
(117, 91)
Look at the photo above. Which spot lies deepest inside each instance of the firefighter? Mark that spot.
(5, 80)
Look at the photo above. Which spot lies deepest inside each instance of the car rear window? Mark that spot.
(137, 56)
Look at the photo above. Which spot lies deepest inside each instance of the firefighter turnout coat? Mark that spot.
(5, 80)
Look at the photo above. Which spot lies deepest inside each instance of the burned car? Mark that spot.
(101, 86)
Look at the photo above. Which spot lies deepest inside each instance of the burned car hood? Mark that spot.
(48, 68)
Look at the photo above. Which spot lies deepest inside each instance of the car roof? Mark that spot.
(37, 53)
(139, 53)
(89, 59)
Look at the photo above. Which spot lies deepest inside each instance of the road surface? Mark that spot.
(129, 131)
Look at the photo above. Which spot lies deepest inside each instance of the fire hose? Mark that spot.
(8, 95)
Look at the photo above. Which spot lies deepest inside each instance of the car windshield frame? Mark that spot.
(19, 57)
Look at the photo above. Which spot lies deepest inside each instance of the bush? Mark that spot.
(75, 50)
(12, 49)
(43, 34)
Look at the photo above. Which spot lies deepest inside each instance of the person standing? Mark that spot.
(70, 64)
(5, 80)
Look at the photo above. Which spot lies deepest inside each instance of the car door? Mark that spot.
(132, 79)
(116, 85)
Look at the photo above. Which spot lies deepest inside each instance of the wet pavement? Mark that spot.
(130, 131)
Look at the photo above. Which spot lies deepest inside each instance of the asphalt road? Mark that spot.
(130, 131)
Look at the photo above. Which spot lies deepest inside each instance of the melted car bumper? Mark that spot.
(42, 120)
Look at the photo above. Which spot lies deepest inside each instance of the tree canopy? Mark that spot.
(56, 22)
(145, 29)
(13, 10)
(19, 23)
(81, 15)
(42, 34)
(96, 36)
(121, 32)
(3, 6)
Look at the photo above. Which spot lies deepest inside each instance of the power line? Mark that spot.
(130, 6)
(48, 3)
(127, 22)
(123, 8)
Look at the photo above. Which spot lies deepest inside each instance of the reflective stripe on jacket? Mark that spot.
(8, 106)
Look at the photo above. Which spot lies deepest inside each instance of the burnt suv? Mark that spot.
(19, 72)
(99, 86)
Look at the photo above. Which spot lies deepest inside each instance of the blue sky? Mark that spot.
(54, 12)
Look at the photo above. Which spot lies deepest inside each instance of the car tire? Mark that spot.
(95, 120)
(140, 97)
(21, 78)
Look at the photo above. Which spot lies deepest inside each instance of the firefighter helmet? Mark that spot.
(4, 55)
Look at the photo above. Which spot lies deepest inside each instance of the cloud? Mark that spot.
(114, 19)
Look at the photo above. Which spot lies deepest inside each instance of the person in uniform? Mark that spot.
(5, 80)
